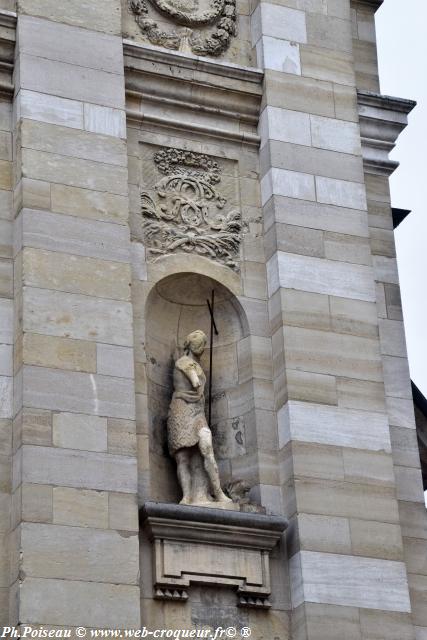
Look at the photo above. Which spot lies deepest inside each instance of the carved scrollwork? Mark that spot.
(221, 14)
(186, 213)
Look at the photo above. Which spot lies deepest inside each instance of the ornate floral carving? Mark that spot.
(218, 13)
(186, 213)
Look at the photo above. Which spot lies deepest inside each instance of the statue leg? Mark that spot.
(182, 458)
(206, 449)
(200, 489)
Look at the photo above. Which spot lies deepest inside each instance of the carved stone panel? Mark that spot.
(202, 27)
(185, 210)
(195, 545)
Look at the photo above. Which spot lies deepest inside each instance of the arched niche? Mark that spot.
(177, 305)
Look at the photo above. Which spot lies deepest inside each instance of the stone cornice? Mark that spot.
(190, 61)
(382, 119)
(7, 50)
(186, 92)
(373, 4)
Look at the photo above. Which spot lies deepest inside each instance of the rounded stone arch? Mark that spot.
(175, 306)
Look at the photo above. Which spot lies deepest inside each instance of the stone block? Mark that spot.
(6, 278)
(36, 503)
(61, 353)
(121, 437)
(279, 55)
(80, 507)
(304, 309)
(356, 317)
(317, 461)
(349, 581)
(76, 431)
(323, 64)
(6, 239)
(401, 412)
(335, 135)
(397, 377)
(78, 553)
(330, 622)
(70, 234)
(361, 394)
(51, 109)
(347, 248)
(299, 240)
(392, 338)
(413, 517)
(123, 512)
(327, 425)
(36, 427)
(95, 205)
(114, 361)
(311, 387)
(105, 120)
(409, 484)
(385, 269)
(340, 193)
(369, 467)
(329, 32)
(323, 533)
(74, 391)
(418, 591)
(404, 443)
(346, 499)
(305, 159)
(285, 126)
(78, 316)
(48, 138)
(74, 172)
(377, 625)
(376, 540)
(318, 275)
(278, 22)
(6, 175)
(76, 274)
(292, 184)
(6, 390)
(73, 603)
(35, 193)
(415, 556)
(332, 354)
(99, 15)
(299, 94)
(71, 81)
(74, 45)
(6, 360)
(79, 469)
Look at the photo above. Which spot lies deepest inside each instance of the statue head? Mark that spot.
(195, 342)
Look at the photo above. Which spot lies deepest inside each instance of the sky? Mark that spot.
(402, 54)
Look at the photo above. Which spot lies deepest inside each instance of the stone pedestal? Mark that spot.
(208, 546)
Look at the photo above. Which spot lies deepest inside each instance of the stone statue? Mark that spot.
(189, 437)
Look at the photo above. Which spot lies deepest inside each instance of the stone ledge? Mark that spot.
(7, 49)
(203, 545)
(382, 119)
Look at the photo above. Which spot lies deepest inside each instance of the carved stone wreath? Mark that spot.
(191, 13)
(186, 213)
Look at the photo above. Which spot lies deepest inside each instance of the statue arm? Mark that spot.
(186, 365)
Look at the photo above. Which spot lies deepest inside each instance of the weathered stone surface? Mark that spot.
(77, 316)
(80, 507)
(75, 431)
(76, 553)
(61, 353)
(79, 469)
(349, 581)
(69, 602)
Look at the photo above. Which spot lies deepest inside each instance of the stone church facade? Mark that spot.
(154, 151)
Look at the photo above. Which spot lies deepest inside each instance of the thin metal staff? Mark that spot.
(211, 307)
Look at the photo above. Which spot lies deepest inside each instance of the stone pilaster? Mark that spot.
(75, 480)
(338, 481)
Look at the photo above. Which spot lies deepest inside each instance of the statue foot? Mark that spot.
(221, 497)
(185, 501)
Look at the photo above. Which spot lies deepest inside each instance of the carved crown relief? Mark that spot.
(186, 212)
(208, 25)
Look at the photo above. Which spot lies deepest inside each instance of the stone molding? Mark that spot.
(7, 49)
(213, 547)
(213, 98)
(373, 4)
(382, 119)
